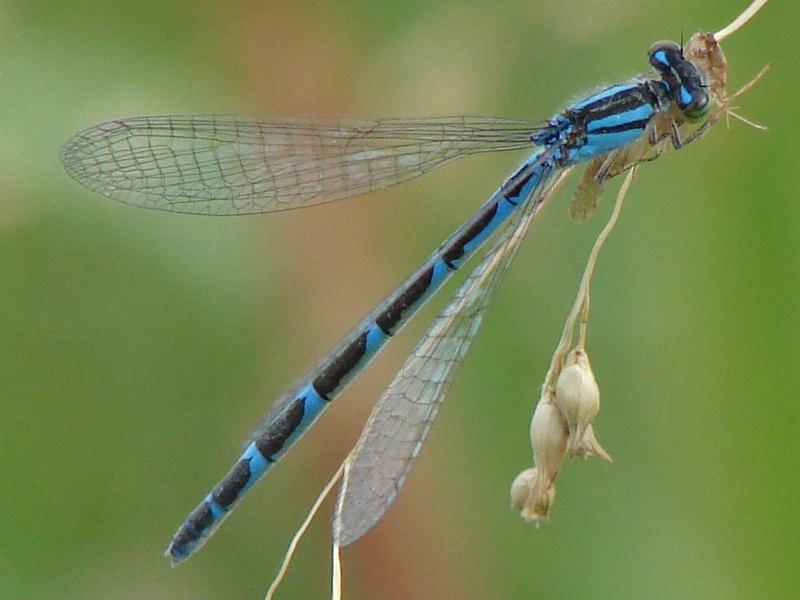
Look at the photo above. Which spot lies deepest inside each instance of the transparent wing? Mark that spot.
(587, 193)
(232, 165)
(599, 170)
(399, 422)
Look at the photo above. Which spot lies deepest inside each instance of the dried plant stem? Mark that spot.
(739, 21)
(581, 304)
(336, 583)
(287, 559)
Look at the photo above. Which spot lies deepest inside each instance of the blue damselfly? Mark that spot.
(236, 165)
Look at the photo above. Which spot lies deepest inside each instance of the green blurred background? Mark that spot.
(138, 348)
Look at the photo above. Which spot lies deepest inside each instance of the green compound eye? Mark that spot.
(693, 100)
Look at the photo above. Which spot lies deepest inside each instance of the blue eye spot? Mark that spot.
(661, 57)
(684, 96)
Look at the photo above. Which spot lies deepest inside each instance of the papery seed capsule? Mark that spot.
(521, 488)
(543, 492)
(589, 446)
(577, 396)
(548, 438)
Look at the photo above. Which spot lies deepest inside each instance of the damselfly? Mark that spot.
(235, 165)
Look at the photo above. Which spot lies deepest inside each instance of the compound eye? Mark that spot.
(699, 108)
(695, 104)
(663, 55)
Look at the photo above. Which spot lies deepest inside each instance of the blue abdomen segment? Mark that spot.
(296, 411)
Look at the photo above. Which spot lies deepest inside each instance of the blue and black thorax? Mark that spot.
(618, 115)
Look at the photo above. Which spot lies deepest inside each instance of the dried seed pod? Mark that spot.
(521, 488)
(548, 438)
(540, 500)
(589, 446)
(577, 396)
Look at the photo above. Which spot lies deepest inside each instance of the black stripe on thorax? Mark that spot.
(619, 102)
(640, 124)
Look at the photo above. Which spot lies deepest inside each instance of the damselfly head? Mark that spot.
(687, 82)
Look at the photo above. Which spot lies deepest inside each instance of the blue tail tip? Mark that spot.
(175, 555)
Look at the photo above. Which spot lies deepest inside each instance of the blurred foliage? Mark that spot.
(138, 347)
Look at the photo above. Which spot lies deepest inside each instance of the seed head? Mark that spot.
(521, 488)
(532, 495)
(577, 396)
(548, 438)
(589, 446)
